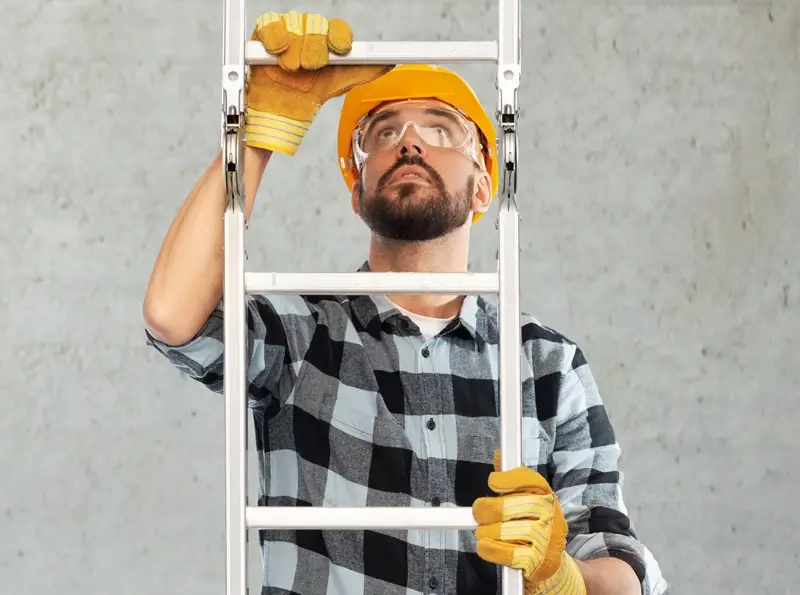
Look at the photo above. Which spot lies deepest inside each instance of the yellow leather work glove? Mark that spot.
(283, 100)
(524, 528)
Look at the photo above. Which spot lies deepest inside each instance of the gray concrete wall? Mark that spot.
(659, 193)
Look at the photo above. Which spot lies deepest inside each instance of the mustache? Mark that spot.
(413, 160)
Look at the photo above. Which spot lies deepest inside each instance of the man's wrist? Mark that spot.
(259, 155)
(608, 576)
(275, 132)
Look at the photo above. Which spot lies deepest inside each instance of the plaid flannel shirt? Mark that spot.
(352, 406)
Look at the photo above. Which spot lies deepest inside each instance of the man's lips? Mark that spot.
(409, 172)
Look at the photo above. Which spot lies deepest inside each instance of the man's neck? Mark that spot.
(447, 255)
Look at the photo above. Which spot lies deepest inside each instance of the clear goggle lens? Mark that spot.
(436, 127)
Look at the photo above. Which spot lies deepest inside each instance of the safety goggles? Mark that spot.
(436, 126)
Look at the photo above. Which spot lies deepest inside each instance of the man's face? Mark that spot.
(412, 190)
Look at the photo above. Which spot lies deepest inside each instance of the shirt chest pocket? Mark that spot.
(535, 449)
(368, 455)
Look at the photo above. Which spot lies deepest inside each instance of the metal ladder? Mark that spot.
(238, 53)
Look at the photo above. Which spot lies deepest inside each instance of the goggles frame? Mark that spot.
(467, 148)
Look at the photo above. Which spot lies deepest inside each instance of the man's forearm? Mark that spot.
(186, 282)
(609, 576)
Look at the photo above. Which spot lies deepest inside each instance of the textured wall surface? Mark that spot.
(660, 197)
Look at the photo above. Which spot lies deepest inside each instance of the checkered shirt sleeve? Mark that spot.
(587, 479)
(275, 357)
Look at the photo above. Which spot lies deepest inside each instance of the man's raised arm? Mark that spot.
(186, 282)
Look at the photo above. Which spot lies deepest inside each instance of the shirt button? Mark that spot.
(435, 502)
(433, 583)
(426, 352)
(431, 424)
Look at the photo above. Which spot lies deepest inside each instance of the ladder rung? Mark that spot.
(376, 517)
(371, 283)
(396, 52)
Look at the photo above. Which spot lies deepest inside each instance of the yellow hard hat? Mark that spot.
(414, 81)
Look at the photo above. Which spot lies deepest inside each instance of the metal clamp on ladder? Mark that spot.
(240, 518)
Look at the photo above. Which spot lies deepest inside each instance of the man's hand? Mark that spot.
(524, 528)
(283, 100)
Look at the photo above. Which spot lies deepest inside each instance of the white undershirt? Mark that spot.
(430, 327)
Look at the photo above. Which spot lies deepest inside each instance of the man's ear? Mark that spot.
(482, 196)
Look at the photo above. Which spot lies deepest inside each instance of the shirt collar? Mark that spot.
(475, 320)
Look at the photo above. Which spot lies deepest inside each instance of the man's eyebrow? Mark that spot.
(431, 111)
(437, 111)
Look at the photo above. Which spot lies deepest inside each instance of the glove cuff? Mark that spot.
(275, 133)
(568, 580)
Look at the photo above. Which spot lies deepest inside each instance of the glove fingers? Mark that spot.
(517, 479)
(275, 38)
(487, 510)
(289, 59)
(314, 54)
(340, 37)
(530, 534)
(271, 32)
(513, 507)
(294, 22)
(521, 479)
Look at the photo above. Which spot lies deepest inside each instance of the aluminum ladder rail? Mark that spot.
(238, 53)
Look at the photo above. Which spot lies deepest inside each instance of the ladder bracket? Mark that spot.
(233, 83)
(510, 144)
(508, 76)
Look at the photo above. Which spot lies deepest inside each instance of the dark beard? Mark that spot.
(417, 214)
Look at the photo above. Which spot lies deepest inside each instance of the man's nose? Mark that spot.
(411, 143)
